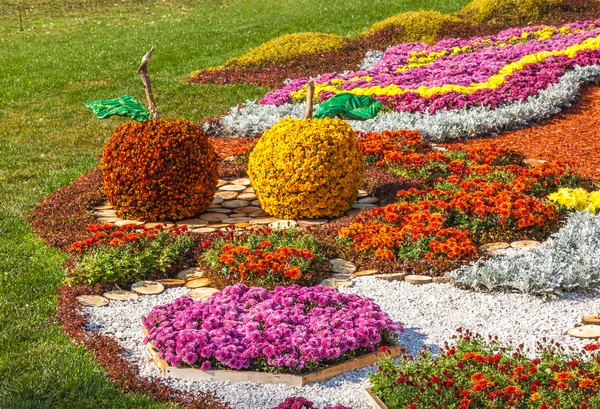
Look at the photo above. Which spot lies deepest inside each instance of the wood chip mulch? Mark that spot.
(572, 135)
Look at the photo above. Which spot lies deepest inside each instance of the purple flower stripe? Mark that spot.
(486, 59)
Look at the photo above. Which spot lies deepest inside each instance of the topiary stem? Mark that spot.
(143, 71)
(310, 92)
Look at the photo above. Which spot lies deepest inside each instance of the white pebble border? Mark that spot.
(430, 314)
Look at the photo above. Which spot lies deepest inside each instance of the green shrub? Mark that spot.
(127, 254)
(508, 12)
(416, 26)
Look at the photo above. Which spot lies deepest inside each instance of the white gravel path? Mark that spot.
(430, 313)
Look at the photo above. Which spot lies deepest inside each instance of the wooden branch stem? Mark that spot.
(143, 71)
(310, 93)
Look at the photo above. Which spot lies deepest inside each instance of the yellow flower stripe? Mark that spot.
(423, 58)
(492, 83)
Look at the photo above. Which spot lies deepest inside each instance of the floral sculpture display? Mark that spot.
(307, 168)
(158, 170)
(290, 329)
(480, 373)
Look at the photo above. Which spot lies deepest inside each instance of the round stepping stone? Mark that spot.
(202, 293)
(534, 162)
(235, 204)
(342, 276)
(171, 282)
(255, 203)
(365, 273)
(417, 279)
(312, 222)
(220, 226)
(335, 283)
(362, 193)
(198, 282)
(213, 217)
(591, 320)
(363, 206)
(190, 274)
(259, 213)
(204, 230)
(585, 331)
(283, 224)
(148, 287)
(247, 209)
(241, 181)
(494, 246)
(219, 210)
(226, 195)
(247, 196)
(222, 182)
(242, 225)
(232, 188)
(234, 220)
(193, 223)
(120, 295)
(165, 225)
(109, 220)
(391, 277)
(368, 200)
(249, 190)
(524, 244)
(342, 266)
(106, 213)
(106, 206)
(438, 149)
(217, 200)
(263, 220)
(92, 300)
(120, 223)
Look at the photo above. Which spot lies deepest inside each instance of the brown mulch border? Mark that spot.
(109, 354)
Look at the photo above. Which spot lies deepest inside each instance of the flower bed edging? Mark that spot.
(375, 402)
(265, 377)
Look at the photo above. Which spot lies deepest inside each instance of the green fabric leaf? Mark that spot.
(122, 106)
(349, 106)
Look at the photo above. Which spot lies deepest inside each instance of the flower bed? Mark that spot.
(127, 254)
(415, 81)
(472, 195)
(287, 330)
(303, 403)
(476, 373)
(263, 257)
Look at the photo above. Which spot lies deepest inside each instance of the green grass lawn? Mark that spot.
(65, 57)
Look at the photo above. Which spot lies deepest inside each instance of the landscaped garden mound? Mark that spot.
(455, 88)
(275, 61)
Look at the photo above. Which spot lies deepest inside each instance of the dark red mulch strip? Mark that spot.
(349, 57)
(62, 217)
(346, 58)
(109, 355)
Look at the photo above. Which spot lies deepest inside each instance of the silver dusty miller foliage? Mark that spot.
(568, 262)
(441, 126)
